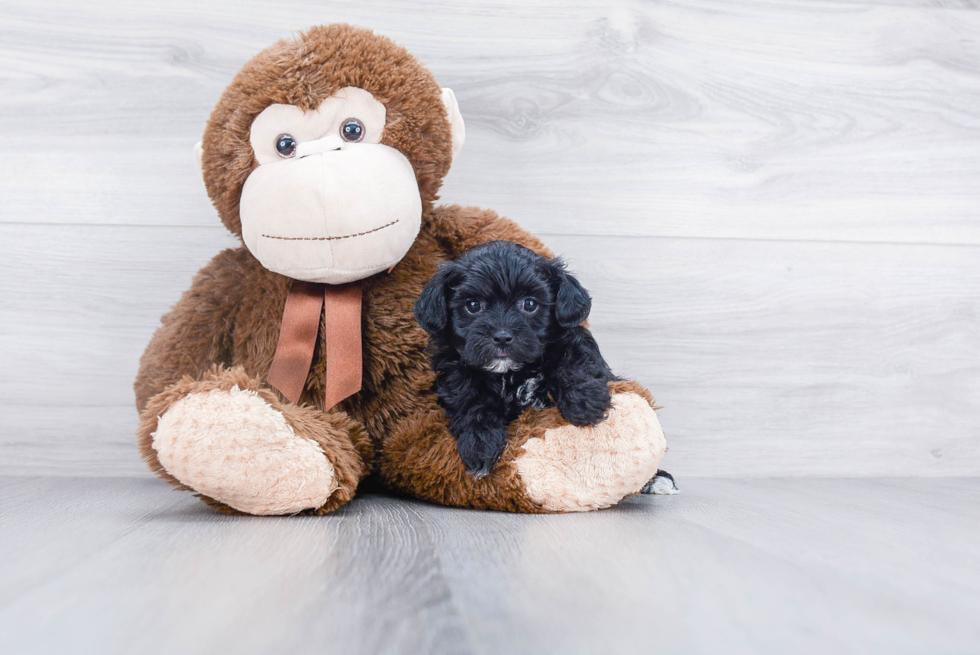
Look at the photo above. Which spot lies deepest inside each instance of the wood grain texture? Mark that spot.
(769, 566)
(751, 119)
(769, 357)
(775, 206)
(206, 583)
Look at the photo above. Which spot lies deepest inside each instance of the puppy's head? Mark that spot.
(500, 304)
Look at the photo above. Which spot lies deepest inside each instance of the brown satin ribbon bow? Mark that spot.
(341, 307)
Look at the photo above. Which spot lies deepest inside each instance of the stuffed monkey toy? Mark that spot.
(293, 367)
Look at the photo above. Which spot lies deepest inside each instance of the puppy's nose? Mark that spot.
(502, 337)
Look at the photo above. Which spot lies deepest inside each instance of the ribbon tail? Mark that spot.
(342, 321)
(297, 339)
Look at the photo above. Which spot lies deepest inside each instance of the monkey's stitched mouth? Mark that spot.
(346, 236)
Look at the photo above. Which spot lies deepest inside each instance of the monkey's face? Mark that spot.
(325, 151)
(328, 201)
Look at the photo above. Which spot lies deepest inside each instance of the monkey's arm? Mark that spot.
(460, 228)
(196, 333)
(547, 465)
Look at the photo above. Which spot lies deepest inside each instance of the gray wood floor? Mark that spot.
(763, 566)
(776, 207)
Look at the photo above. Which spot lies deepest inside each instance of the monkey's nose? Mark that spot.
(332, 142)
(502, 337)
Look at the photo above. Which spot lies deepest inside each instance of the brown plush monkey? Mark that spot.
(293, 367)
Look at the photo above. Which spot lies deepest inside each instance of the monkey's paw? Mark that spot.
(577, 469)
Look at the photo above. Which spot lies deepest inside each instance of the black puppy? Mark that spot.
(506, 334)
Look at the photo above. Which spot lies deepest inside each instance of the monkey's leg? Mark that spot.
(547, 466)
(232, 441)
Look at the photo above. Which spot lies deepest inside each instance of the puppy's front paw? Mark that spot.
(480, 451)
(585, 406)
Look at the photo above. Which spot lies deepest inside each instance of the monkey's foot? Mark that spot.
(571, 469)
(233, 446)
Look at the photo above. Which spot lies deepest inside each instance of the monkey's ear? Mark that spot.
(455, 119)
(198, 156)
(572, 301)
(432, 307)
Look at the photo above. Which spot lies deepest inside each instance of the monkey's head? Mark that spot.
(324, 150)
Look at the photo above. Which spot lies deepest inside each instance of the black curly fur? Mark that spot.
(552, 360)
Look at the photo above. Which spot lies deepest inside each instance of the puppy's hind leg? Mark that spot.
(662, 484)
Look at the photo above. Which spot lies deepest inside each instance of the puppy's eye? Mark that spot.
(474, 306)
(352, 130)
(285, 145)
(530, 305)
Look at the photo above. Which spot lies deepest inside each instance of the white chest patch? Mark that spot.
(527, 393)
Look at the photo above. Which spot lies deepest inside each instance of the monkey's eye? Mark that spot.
(473, 306)
(530, 305)
(352, 130)
(285, 145)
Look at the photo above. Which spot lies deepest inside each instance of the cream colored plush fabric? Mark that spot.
(456, 123)
(336, 211)
(236, 448)
(335, 216)
(575, 469)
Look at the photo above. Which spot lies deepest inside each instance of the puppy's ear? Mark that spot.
(432, 307)
(572, 301)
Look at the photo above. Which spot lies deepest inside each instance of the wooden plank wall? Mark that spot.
(775, 204)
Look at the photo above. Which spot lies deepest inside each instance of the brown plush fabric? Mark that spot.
(420, 460)
(630, 386)
(224, 330)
